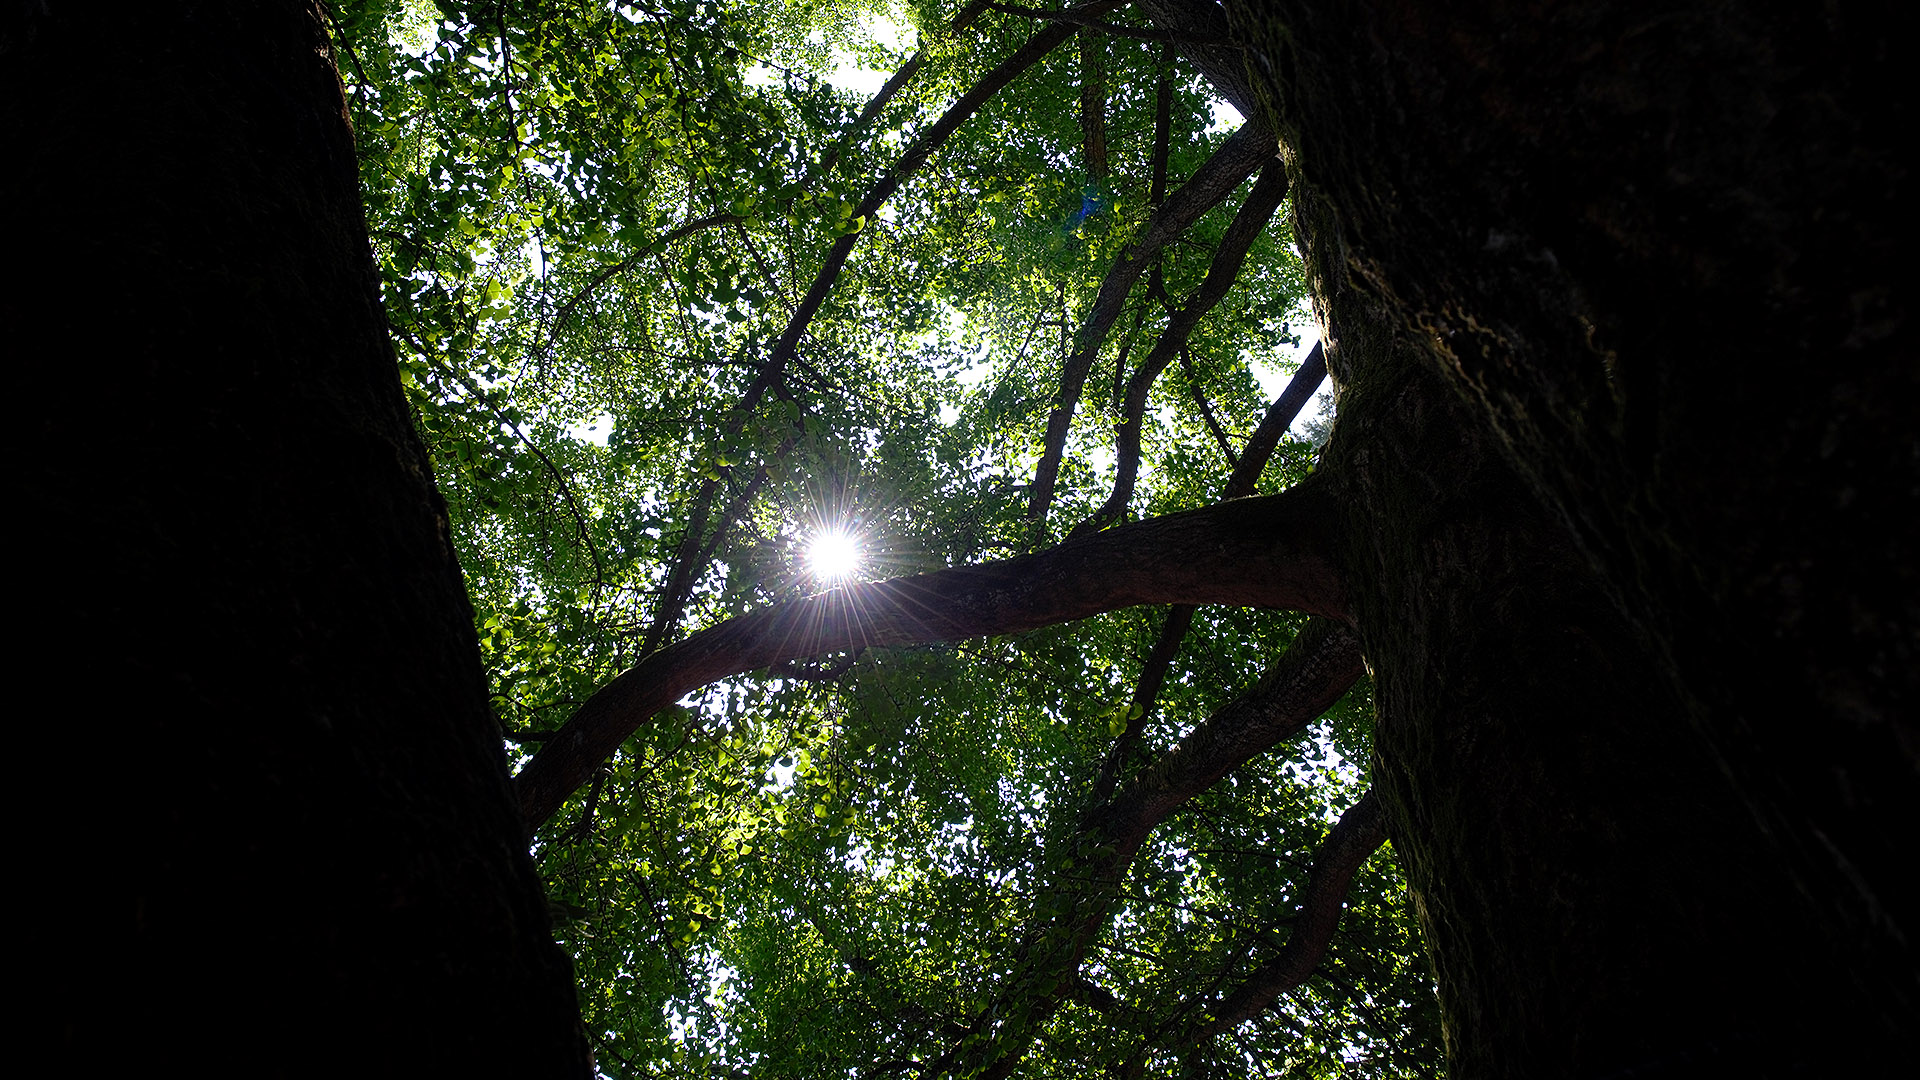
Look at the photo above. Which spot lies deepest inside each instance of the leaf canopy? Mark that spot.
(595, 223)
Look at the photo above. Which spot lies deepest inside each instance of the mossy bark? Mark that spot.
(1628, 388)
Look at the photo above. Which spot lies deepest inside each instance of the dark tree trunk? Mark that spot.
(281, 840)
(1619, 303)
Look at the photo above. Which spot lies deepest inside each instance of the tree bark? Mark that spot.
(1622, 333)
(286, 843)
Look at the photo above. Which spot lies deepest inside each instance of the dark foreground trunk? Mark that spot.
(279, 839)
(1620, 303)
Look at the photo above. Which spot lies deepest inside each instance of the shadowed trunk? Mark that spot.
(1617, 313)
(291, 848)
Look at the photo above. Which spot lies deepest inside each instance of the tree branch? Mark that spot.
(1093, 103)
(1246, 472)
(1278, 419)
(916, 155)
(688, 228)
(1195, 26)
(785, 347)
(1228, 258)
(1266, 552)
(1359, 833)
(963, 19)
(1091, 23)
(1243, 152)
(1320, 665)
(1206, 410)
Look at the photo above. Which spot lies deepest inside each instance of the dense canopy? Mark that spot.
(699, 317)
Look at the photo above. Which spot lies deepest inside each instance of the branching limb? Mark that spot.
(965, 18)
(565, 311)
(916, 155)
(1196, 26)
(1144, 34)
(1206, 410)
(1093, 103)
(1243, 152)
(479, 396)
(1279, 418)
(1268, 552)
(1246, 472)
(1228, 258)
(1320, 665)
(687, 560)
(1359, 833)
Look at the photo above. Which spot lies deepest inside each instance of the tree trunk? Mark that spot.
(1627, 435)
(283, 840)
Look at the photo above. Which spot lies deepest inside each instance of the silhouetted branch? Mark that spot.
(912, 158)
(1279, 417)
(1359, 833)
(1320, 665)
(1077, 18)
(887, 92)
(1206, 410)
(1228, 258)
(1251, 552)
(1245, 151)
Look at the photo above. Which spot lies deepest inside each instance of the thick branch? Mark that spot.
(1091, 23)
(1320, 665)
(1243, 152)
(1196, 26)
(1359, 833)
(1246, 472)
(686, 562)
(1228, 258)
(1093, 103)
(1251, 552)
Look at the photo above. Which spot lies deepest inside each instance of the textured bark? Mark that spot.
(292, 848)
(1619, 316)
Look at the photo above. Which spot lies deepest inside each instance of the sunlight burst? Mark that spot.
(833, 555)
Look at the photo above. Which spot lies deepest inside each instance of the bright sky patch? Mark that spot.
(833, 555)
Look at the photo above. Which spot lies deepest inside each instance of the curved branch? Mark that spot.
(1036, 48)
(1206, 411)
(1196, 26)
(1267, 552)
(479, 396)
(1279, 418)
(686, 561)
(1359, 833)
(1243, 152)
(1091, 23)
(965, 18)
(1320, 665)
(1248, 222)
(1246, 472)
(684, 229)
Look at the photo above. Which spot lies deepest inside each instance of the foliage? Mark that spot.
(594, 222)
